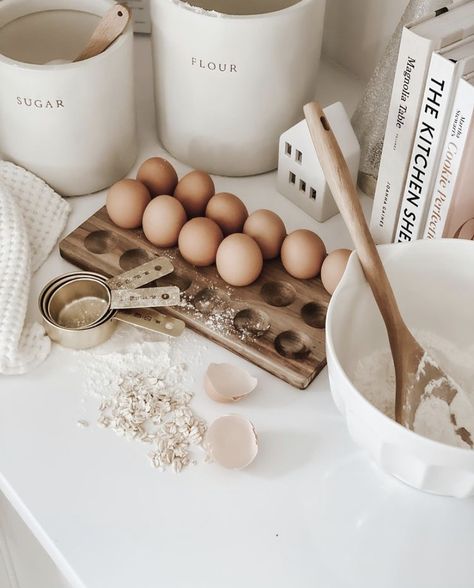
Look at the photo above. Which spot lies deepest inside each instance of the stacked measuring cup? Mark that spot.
(81, 309)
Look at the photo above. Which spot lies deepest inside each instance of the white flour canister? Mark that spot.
(231, 76)
(72, 124)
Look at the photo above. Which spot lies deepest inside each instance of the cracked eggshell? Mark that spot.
(231, 441)
(224, 382)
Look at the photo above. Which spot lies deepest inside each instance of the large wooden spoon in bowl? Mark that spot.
(416, 373)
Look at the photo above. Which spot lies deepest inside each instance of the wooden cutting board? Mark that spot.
(277, 323)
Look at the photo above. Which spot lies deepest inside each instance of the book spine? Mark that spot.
(460, 219)
(409, 80)
(450, 161)
(430, 132)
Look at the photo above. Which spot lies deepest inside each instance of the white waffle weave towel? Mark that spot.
(32, 217)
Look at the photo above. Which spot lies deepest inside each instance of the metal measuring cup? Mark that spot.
(80, 309)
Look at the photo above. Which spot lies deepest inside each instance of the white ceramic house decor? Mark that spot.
(231, 76)
(300, 177)
(72, 124)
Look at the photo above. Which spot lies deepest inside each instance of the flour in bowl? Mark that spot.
(374, 377)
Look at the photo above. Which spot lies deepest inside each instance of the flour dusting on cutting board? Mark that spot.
(374, 376)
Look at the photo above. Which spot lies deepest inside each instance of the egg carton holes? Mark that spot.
(133, 258)
(252, 322)
(210, 300)
(100, 242)
(314, 315)
(293, 345)
(278, 293)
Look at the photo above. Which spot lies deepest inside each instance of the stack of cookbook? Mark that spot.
(425, 187)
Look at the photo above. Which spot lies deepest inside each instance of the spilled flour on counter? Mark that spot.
(374, 376)
(143, 395)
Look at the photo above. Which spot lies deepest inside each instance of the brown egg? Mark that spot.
(163, 220)
(302, 254)
(333, 268)
(268, 230)
(229, 212)
(194, 191)
(126, 202)
(239, 260)
(199, 240)
(158, 175)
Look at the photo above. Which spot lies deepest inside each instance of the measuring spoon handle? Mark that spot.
(142, 274)
(145, 297)
(152, 320)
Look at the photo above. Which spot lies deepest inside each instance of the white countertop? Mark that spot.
(310, 511)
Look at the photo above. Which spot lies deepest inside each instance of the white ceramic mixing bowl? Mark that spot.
(434, 285)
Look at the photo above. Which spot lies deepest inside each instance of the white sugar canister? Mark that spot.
(72, 124)
(231, 76)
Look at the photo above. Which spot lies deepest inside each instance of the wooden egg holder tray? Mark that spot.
(277, 323)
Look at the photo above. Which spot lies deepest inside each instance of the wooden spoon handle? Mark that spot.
(345, 194)
(111, 26)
